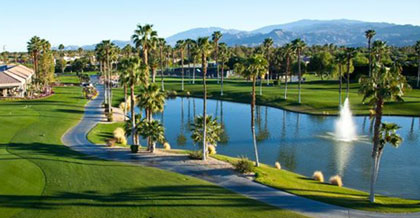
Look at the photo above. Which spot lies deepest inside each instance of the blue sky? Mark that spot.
(81, 22)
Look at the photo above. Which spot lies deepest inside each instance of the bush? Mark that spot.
(211, 149)
(336, 180)
(166, 146)
(244, 165)
(123, 141)
(134, 148)
(196, 155)
(119, 133)
(318, 176)
(277, 165)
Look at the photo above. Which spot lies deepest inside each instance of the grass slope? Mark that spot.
(103, 131)
(42, 178)
(318, 97)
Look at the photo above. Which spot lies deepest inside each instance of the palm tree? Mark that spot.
(384, 84)
(180, 46)
(204, 48)
(152, 130)
(124, 79)
(350, 53)
(213, 131)
(287, 52)
(127, 50)
(369, 34)
(298, 46)
(137, 74)
(417, 48)
(267, 46)
(190, 46)
(224, 56)
(254, 67)
(379, 49)
(340, 59)
(216, 37)
(34, 50)
(152, 99)
(144, 37)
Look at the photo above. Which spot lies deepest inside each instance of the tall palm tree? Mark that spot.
(350, 53)
(152, 99)
(124, 79)
(204, 48)
(417, 48)
(137, 74)
(384, 84)
(180, 46)
(252, 68)
(379, 49)
(214, 130)
(224, 56)
(288, 53)
(190, 46)
(267, 47)
(299, 45)
(152, 130)
(161, 43)
(144, 38)
(340, 60)
(369, 34)
(34, 49)
(127, 50)
(216, 37)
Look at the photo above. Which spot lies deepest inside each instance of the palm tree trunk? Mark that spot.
(370, 58)
(161, 69)
(133, 115)
(125, 102)
(376, 152)
(221, 84)
(193, 81)
(341, 84)
(287, 72)
(182, 69)
(418, 74)
(254, 138)
(300, 78)
(261, 86)
(203, 61)
(217, 63)
(348, 76)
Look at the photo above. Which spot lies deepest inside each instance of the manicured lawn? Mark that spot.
(42, 178)
(318, 97)
(298, 184)
(103, 131)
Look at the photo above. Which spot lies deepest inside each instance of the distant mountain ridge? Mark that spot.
(339, 32)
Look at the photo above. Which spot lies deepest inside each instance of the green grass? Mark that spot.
(42, 178)
(341, 196)
(318, 97)
(103, 131)
(298, 184)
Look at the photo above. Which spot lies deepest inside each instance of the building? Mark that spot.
(15, 80)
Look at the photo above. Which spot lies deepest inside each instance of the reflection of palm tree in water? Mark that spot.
(181, 139)
(283, 131)
(263, 133)
(224, 137)
(287, 156)
(412, 136)
(297, 124)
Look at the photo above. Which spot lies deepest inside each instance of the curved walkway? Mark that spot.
(225, 177)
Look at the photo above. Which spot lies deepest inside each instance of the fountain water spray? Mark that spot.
(345, 130)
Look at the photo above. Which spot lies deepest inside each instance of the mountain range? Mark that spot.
(339, 32)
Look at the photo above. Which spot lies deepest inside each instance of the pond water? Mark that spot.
(304, 143)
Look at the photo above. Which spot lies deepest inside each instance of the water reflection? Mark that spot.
(295, 140)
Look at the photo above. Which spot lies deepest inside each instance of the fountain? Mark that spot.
(345, 130)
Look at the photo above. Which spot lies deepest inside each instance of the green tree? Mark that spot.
(350, 53)
(216, 36)
(34, 47)
(204, 48)
(379, 50)
(340, 60)
(180, 47)
(369, 34)
(267, 48)
(144, 38)
(161, 43)
(322, 63)
(124, 79)
(213, 131)
(299, 45)
(152, 99)
(384, 84)
(153, 130)
(224, 56)
(127, 51)
(287, 53)
(252, 68)
(417, 48)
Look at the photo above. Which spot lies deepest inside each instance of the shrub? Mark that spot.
(211, 149)
(188, 93)
(336, 180)
(196, 155)
(119, 133)
(318, 176)
(166, 146)
(123, 141)
(134, 148)
(244, 165)
(277, 165)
